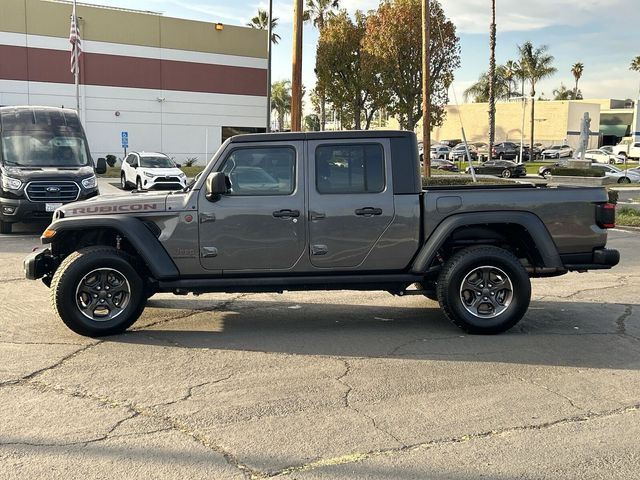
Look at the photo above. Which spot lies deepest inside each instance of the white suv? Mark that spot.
(147, 170)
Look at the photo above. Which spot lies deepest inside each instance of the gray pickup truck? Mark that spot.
(320, 211)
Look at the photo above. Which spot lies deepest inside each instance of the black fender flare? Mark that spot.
(530, 222)
(137, 234)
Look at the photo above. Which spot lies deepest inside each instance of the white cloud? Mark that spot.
(473, 16)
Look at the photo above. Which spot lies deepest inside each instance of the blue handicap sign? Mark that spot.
(125, 139)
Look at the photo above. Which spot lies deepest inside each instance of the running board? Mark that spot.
(388, 282)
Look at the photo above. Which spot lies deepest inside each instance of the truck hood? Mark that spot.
(29, 174)
(114, 205)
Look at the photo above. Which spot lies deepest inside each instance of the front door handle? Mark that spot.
(368, 211)
(286, 213)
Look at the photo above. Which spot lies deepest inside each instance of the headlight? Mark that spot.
(149, 174)
(9, 183)
(90, 182)
(182, 175)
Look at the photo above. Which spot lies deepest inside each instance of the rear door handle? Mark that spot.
(368, 211)
(286, 213)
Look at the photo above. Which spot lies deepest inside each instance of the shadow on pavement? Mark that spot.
(576, 334)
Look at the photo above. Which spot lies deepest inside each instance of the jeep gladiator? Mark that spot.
(320, 211)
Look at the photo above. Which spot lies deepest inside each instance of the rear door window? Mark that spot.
(357, 168)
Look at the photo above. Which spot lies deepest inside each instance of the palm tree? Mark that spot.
(635, 64)
(563, 93)
(492, 78)
(511, 71)
(536, 65)
(318, 12)
(261, 22)
(577, 70)
(281, 100)
(479, 91)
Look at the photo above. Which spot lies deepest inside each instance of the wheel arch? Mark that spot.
(523, 231)
(138, 240)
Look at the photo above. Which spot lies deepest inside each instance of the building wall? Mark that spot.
(555, 122)
(171, 83)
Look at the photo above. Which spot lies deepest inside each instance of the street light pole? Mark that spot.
(426, 100)
(269, 51)
(296, 76)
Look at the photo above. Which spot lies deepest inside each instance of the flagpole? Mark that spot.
(76, 74)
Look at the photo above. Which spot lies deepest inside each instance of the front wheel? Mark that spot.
(484, 290)
(624, 180)
(96, 291)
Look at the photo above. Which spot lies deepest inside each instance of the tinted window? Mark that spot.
(350, 168)
(261, 171)
(156, 162)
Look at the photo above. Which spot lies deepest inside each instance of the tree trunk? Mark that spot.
(281, 121)
(575, 92)
(533, 114)
(357, 120)
(323, 112)
(492, 80)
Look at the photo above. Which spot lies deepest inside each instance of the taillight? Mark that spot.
(606, 215)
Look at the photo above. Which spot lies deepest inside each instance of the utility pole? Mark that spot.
(492, 80)
(269, 51)
(296, 76)
(426, 100)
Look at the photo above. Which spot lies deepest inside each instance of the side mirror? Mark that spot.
(216, 186)
(101, 166)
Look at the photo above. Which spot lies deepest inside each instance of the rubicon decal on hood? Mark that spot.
(104, 209)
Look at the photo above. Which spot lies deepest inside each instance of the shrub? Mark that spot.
(454, 181)
(576, 172)
(111, 160)
(613, 196)
(190, 161)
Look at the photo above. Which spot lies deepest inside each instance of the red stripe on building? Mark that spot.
(52, 66)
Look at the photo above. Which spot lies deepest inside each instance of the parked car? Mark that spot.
(482, 150)
(505, 151)
(628, 149)
(608, 149)
(620, 176)
(545, 170)
(600, 155)
(151, 170)
(501, 168)
(557, 151)
(440, 164)
(440, 152)
(529, 154)
(45, 163)
(459, 152)
(328, 227)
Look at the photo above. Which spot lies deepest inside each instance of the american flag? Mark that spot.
(76, 44)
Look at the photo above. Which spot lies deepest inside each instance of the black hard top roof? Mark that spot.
(293, 136)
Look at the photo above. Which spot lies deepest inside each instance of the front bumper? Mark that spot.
(162, 183)
(14, 210)
(38, 264)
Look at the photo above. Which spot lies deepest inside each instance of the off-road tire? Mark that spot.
(73, 269)
(462, 264)
(6, 227)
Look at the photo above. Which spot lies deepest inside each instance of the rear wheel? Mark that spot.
(506, 173)
(5, 227)
(96, 291)
(484, 290)
(624, 180)
(123, 182)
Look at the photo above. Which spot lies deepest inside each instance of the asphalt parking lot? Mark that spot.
(324, 385)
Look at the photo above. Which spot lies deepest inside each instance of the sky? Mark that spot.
(602, 34)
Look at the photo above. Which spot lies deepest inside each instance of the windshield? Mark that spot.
(43, 150)
(156, 162)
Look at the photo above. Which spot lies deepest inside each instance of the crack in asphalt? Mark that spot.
(623, 279)
(395, 350)
(190, 393)
(191, 313)
(135, 411)
(60, 362)
(357, 457)
(555, 392)
(7, 342)
(620, 321)
(347, 402)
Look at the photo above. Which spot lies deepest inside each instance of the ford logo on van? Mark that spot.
(53, 190)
